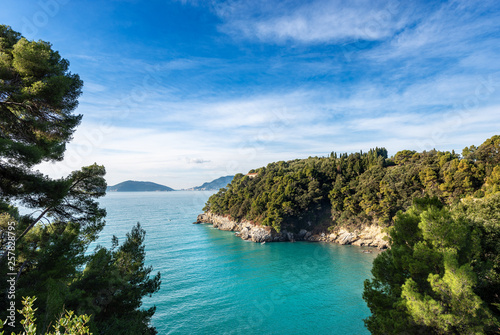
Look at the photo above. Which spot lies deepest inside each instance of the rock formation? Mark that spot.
(369, 236)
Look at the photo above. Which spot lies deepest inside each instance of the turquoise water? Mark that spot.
(216, 283)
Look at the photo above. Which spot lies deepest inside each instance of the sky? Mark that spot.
(182, 92)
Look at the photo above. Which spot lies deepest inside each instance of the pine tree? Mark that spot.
(428, 282)
(38, 95)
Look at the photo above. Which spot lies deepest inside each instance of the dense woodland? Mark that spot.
(356, 189)
(47, 251)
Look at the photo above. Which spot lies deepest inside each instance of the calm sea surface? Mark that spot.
(216, 283)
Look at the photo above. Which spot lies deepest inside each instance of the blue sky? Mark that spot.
(182, 92)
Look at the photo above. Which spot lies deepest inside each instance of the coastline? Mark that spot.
(369, 236)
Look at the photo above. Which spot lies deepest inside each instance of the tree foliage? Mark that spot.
(441, 274)
(68, 323)
(117, 280)
(356, 189)
(37, 97)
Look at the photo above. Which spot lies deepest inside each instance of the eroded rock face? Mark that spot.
(346, 238)
(372, 236)
(369, 236)
(202, 218)
(260, 235)
(247, 230)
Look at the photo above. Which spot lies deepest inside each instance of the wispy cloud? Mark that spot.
(317, 21)
(454, 30)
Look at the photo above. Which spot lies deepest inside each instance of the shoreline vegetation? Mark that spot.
(344, 197)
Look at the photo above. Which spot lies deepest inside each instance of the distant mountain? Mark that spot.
(214, 184)
(138, 186)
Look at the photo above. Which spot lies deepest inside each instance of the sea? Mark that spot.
(216, 283)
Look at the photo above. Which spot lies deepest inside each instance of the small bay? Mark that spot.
(215, 283)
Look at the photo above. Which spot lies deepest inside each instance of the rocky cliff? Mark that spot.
(370, 236)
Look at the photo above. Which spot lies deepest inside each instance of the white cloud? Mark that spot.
(314, 22)
(222, 146)
(454, 30)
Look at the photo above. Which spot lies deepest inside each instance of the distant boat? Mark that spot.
(263, 243)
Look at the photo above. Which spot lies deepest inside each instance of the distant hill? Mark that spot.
(214, 184)
(138, 186)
